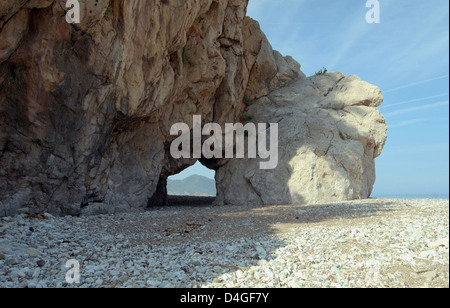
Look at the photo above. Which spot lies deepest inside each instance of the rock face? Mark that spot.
(86, 109)
(330, 132)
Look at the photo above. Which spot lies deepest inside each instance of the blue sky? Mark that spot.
(406, 55)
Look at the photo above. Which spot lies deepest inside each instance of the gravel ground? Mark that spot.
(366, 243)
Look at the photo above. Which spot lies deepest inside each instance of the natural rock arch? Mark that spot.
(86, 109)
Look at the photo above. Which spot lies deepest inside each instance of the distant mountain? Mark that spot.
(195, 185)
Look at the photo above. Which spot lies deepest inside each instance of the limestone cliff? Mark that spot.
(86, 109)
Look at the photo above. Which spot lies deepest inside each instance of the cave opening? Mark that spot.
(194, 186)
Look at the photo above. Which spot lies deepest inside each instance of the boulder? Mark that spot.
(329, 134)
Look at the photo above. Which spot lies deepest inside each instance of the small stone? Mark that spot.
(427, 254)
(431, 275)
(239, 274)
(89, 280)
(36, 273)
(335, 270)
(22, 273)
(231, 248)
(32, 252)
(254, 255)
(295, 284)
(261, 251)
(32, 284)
(262, 262)
(14, 273)
(185, 268)
(40, 263)
(2, 256)
(11, 261)
(269, 273)
(24, 210)
(48, 216)
(153, 283)
(444, 242)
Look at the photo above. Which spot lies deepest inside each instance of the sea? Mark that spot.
(410, 196)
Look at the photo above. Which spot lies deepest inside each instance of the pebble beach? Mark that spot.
(379, 243)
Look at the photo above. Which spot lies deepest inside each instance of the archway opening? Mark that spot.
(194, 186)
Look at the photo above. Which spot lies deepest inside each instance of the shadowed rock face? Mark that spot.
(86, 109)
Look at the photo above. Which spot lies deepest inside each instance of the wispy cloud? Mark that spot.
(419, 40)
(417, 121)
(413, 109)
(298, 23)
(351, 34)
(354, 34)
(413, 100)
(416, 83)
(418, 148)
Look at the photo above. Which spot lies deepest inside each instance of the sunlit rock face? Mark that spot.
(329, 134)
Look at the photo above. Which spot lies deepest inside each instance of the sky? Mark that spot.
(406, 54)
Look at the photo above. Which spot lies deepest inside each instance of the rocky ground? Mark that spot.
(367, 243)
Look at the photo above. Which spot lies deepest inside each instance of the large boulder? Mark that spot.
(329, 134)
